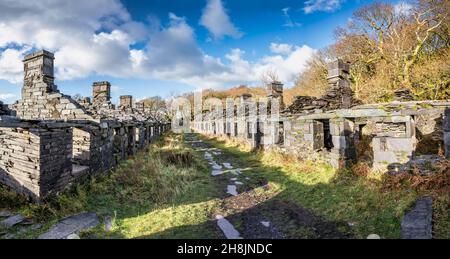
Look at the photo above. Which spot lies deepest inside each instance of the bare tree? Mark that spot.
(155, 107)
(268, 76)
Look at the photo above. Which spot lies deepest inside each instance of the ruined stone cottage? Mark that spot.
(339, 129)
(48, 140)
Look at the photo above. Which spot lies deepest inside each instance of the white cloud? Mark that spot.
(312, 6)
(96, 37)
(11, 67)
(288, 20)
(69, 28)
(243, 71)
(281, 48)
(217, 21)
(5, 96)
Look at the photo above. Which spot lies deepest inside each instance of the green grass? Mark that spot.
(148, 196)
(340, 196)
(168, 192)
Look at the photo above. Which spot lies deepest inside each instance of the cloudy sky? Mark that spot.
(164, 47)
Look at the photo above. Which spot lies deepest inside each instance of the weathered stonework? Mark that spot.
(446, 130)
(126, 102)
(54, 140)
(40, 97)
(101, 92)
(338, 129)
(35, 157)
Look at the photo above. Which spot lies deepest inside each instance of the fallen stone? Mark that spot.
(13, 220)
(238, 183)
(227, 228)
(5, 213)
(216, 172)
(108, 223)
(265, 223)
(217, 167)
(71, 225)
(27, 222)
(227, 165)
(373, 236)
(417, 224)
(231, 189)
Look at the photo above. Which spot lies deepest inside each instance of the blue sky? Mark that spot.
(165, 47)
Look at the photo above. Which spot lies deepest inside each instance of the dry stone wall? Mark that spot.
(446, 129)
(35, 157)
(55, 141)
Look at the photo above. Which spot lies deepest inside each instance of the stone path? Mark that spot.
(259, 215)
(227, 172)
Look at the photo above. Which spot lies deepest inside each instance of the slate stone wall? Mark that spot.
(55, 141)
(337, 129)
(35, 160)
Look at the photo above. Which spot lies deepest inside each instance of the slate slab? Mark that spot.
(417, 224)
(216, 172)
(71, 225)
(227, 165)
(265, 223)
(227, 228)
(5, 213)
(11, 221)
(217, 167)
(231, 189)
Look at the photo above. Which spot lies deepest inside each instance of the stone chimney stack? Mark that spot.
(126, 101)
(275, 91)
(338, 82)
(2, 109)
(39, 77)
(101, 92)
